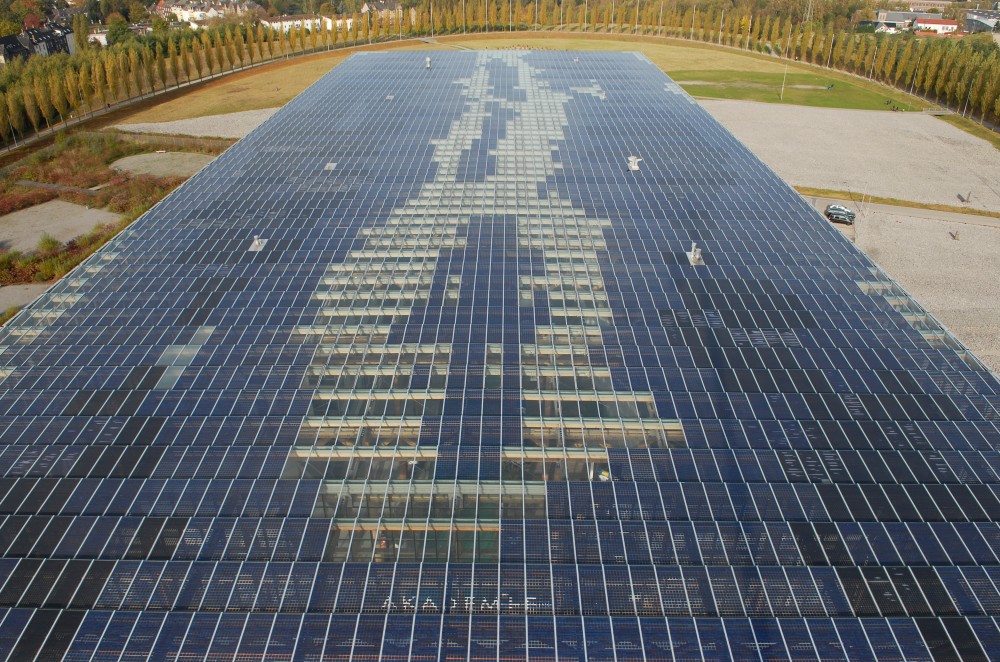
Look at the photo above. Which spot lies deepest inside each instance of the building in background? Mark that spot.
(296, 21)
(982, 21)
(190, 10)
(12, 47)
(520, 355)
(385, 9)
(936, 25)
(928, 5)
(899, 21)
(49, 39)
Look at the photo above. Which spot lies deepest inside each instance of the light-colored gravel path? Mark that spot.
(21, 295)
(21, 230)
(907, 156)
(164, 164)
(231, 125)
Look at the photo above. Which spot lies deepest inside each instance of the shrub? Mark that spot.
(14, 198)
(48, 245)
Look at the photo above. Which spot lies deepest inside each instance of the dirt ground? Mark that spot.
(907, 156)
(21, 230)
(164, 164)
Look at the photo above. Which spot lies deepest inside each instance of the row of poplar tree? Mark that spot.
(963, 74)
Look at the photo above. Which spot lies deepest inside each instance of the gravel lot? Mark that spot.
(21, 295)
(164, 164)
(232, 125)
(956, 280)
(21, 230)
(907, 156)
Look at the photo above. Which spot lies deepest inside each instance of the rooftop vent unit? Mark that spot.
(694, 255)
(257, 244)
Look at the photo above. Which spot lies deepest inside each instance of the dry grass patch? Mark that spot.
(270, 86)
(275, 84)
(668, 55)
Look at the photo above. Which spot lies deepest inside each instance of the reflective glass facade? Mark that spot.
(421, 369)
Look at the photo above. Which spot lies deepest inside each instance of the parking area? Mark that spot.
(906, 156)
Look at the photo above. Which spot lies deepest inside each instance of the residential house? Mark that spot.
(194, 10)
(295, 21)
(98, 35)
(49, 39)
(46, 40)
(12, 47)
(383, 8)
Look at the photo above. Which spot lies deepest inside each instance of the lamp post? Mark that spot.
(969, 95)
(916, 68)
(13, 133)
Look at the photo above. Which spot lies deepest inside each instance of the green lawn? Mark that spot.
(802, 89)
(723, 73)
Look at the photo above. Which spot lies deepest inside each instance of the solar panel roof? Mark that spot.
(422, 369)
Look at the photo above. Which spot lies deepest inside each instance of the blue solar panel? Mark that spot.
(423, 369)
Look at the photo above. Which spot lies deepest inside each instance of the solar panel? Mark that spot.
(426, 367)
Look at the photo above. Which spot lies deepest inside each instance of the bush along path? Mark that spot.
(68, 170)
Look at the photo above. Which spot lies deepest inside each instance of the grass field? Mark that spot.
(705, 70)
(724, 73)
(801, 89)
